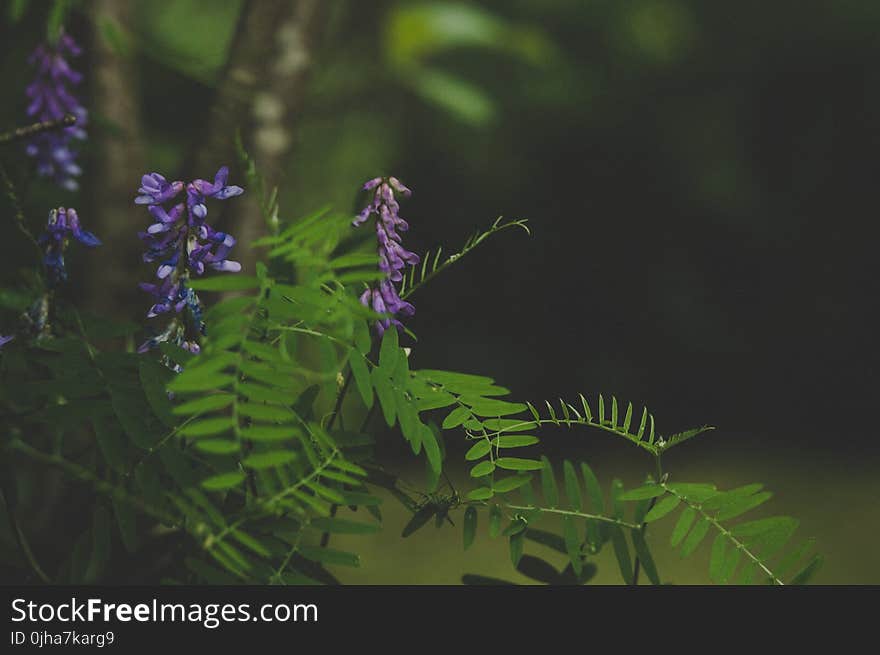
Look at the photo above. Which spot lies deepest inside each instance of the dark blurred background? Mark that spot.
(699, 179)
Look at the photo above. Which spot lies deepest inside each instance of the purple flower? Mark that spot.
(184, 245)
(62, 224)
(213, 253)
(218, 190)
(156, 189)
(384, 300)
(5, 340)
(168, 295)
(50, 100)
(393, 257)
(173, 333)
(397, 186)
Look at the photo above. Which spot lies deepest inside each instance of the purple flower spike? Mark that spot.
(5, 340)
(50, 100)
(393, 257)
(184, 245)
(67, 44)
(62, 224)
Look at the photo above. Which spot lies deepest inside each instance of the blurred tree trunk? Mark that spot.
(111, 277)
(261, 93)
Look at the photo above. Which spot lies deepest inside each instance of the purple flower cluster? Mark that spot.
(62, 224)
(182, 244)
(393, 257)
(50, 100)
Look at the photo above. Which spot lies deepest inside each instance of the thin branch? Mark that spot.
(22, 541)
(569, 422)
(85, 475)
(644, 526)
(566, 512)
(36, 128)
(290, 553)
(18, 217)
(337, 408)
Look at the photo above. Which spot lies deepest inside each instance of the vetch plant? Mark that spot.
(235, 443)
(183, 244)
(62, 225)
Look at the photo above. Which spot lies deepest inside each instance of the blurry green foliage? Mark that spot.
(418, 33)
(661, 30)
(190, 36)
(16, 9)
(115, 35)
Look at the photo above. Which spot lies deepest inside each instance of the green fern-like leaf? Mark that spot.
(758, 544)
(607, 418)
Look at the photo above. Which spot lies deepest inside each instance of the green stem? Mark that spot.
(156, 447)
(368, 417)
(280, 570)
(85, 475)
(22, 541)
(565, 512)
(311, 476)
(102, 486)
(569, 422)
(18, 217)
(644, 526)
(337, 412)
(337, 408)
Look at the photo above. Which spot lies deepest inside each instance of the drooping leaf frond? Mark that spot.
(743, 552)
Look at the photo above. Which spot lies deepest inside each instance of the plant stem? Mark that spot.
(84, 475)
(565, 512)
(368, 417)
(337, 408)
(337, 411)
(569, 422)
(22, 540)
(644, 527)
(36, 128)
(19, 211)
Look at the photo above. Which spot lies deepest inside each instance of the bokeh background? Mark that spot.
(699, 178)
